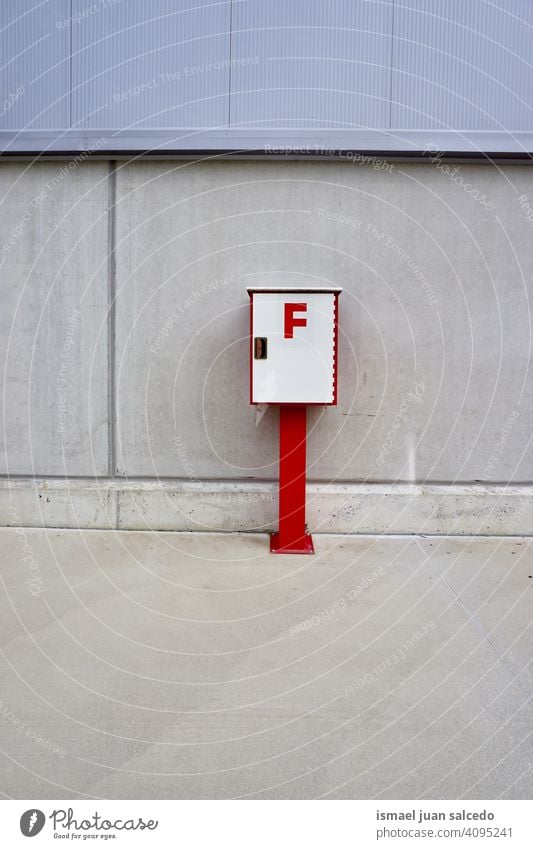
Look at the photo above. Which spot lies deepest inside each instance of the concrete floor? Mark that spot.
(159, 665)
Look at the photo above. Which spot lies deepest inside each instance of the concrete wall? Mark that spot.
(54, 318)
(124, 318)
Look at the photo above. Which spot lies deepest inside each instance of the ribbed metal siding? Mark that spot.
(312, 64)
(159, 64)
(145, 67)
(34, 63)
(463, 64)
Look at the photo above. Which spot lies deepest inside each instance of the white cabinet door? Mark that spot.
(298, 365)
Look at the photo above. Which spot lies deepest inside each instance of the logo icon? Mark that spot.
(32, 822)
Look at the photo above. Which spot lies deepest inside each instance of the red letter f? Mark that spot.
(291, 322)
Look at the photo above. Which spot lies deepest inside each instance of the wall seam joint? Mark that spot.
(111, 318)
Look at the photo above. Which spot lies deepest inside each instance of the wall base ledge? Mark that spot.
(128, 504)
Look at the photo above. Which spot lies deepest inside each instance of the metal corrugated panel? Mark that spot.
(463, 64)
(312, 64)
(35, 64)
(158, 72)
(158, 64)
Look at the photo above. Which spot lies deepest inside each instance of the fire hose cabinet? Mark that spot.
(293, 363)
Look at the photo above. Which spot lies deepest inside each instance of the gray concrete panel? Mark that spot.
(436, 267)
(53, 323)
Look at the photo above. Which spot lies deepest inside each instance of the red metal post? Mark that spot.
(292, 537)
